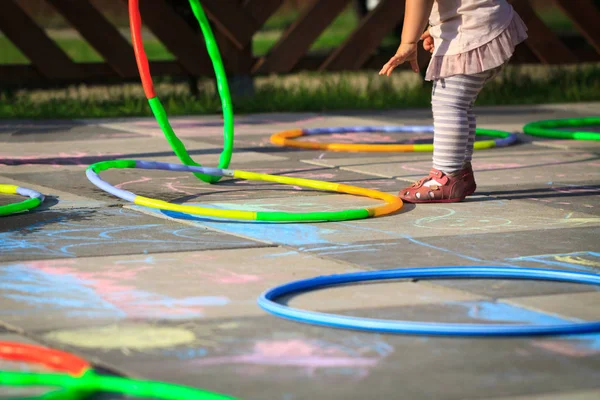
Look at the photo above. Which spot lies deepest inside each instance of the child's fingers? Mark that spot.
(390, 65)
(414, 65)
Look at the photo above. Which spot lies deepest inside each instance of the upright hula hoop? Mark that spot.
(268, 302)
(549, 128)
(135, 21)
(393, 202)
(56, 360)
(288, 138)
(99, 383)
(34, 200)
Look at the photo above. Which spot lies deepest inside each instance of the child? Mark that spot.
(470, 40)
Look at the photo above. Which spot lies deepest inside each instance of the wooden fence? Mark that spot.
(235, 23)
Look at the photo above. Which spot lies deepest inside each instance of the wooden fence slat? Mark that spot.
(240, 61)
(542, 41)
(261, 10)
(45, 55)
(361, 44)
(17, 75)
(298, 38)
(585, 17)
(232, 20)
(100, 34)
(177, 36)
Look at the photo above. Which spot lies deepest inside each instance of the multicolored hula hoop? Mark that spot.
(34, 200)
(393, 203)
(548, 128)
(135, 21)
(55, 360)
(98, 383)
(287, 138)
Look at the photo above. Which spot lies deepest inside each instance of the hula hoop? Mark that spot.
(56, 360)
(267, 302)
(393, 203)
(287, 138)
(98, 383)
(135, 22)
(548, 128)
(34, 200)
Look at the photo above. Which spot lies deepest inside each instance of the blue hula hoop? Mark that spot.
(267, 301)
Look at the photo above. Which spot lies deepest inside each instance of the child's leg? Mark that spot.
(450, 180)
(473, 119)
(472, 127)
(452, 105)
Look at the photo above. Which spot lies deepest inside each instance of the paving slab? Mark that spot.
(501, 170)
(101, 232)
(201, 285)
(475, 216)
(266, 357)
(583, 306)
(56, 199)
(571, 196)
(172, 297)
(579, 395)
(56, 131)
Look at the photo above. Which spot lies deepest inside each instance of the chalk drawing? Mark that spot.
(588, 261)
(349, 355)
(129, 337)
(59, 285)
(570, 345)
(474, 221)
(69, 234)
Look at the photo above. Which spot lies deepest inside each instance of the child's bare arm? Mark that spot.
(416, 15)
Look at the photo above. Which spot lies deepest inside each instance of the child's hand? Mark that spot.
(427, 42)
(406, 52)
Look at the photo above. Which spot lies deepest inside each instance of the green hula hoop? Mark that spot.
(548, 128)
(34, 200)
(98, 383)
(158, 110)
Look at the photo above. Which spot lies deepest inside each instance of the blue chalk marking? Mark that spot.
(503, 312)
(20, 283)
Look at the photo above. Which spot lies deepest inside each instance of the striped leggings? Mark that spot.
(454, 121)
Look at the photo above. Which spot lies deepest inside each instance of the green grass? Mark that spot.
(356, 91)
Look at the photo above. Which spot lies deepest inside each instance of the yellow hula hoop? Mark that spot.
(393, 203)
(288, 139)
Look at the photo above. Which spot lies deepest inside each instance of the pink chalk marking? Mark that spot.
(298, 361)
(141, 180)
(134, 302)
(295, 353)
(564, 348)
(481, 166)
(576, 189)
(171, 186)
(415, 169)
(230, 277)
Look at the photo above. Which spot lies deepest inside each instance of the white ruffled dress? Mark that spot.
(488, 56)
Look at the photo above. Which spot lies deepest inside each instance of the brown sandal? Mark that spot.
(453, 187)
